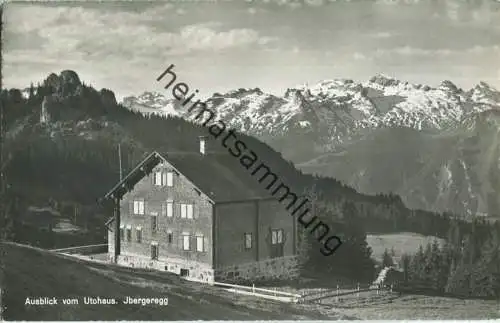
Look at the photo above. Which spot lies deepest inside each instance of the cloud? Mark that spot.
(360, 57)
(314, 3)
(201, 37)
(70, 31)
(439, 52)
(381, 35)
(180, 11)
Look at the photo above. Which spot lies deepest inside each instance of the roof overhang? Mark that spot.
(128, 182)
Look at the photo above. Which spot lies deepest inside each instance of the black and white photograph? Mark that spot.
(250, 160)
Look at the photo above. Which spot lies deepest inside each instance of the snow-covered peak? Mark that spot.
(384, 80)
(338, 107)
(447, 85)
(485, 94)
(153, 102)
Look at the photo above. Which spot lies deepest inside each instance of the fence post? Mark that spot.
(358, 290)
(253, 288)
(391, 288)
(378, 288)
(275, 291)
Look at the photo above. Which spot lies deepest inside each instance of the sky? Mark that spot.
(220, 45)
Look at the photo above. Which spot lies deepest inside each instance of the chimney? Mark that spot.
(203, 144)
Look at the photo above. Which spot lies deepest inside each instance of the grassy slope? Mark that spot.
(37, 273)
(370, 306)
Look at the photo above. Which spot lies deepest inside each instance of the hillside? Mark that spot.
(455, 170)
(62, 150)
(60, 277)
(359, 132)
(62, 144)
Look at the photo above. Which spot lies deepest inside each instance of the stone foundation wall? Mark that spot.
(198, 271)
(269, 269)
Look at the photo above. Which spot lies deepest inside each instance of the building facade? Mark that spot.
(199, 215)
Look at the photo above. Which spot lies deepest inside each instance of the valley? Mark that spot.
(436, 147)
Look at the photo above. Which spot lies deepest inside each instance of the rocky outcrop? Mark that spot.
(67, 98)
(108, 98)
(44, 113)
(64, 85)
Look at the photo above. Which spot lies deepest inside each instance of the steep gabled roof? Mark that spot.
(218, 175)
(127, 183)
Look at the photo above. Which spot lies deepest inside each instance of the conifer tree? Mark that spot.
(405, 265)
(304, 248)
(387, 259)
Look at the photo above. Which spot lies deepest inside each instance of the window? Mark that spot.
(158, 178)
(185, 241)
(139, 207)
(122, 233)
(277, 236)
(154, 251)
(170, 209)
(186, 211)
(199, 243)
(138, 233)
(248, 241)
(170, 237)
(170, 179)
(280, 236)
(129, 234)
(154, 222)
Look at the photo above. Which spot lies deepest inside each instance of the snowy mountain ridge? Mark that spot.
(336, 108)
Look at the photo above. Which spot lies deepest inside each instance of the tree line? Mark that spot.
(466, 265)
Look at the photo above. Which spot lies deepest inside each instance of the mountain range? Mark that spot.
(436, 147)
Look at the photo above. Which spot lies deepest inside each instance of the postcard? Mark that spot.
(250, 160)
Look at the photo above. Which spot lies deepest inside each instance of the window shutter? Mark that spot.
(170, 209)
(205, 244)
(192, 243)
(180, 242)
(164, 178)
(183, 210)
(163, 209)
(145, 210)
(131, 207)
(170, 179)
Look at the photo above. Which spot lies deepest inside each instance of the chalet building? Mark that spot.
(200, 214)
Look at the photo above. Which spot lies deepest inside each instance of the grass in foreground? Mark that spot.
(31, 272)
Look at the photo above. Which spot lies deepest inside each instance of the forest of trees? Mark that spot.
(468, 264)
(55, 161)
